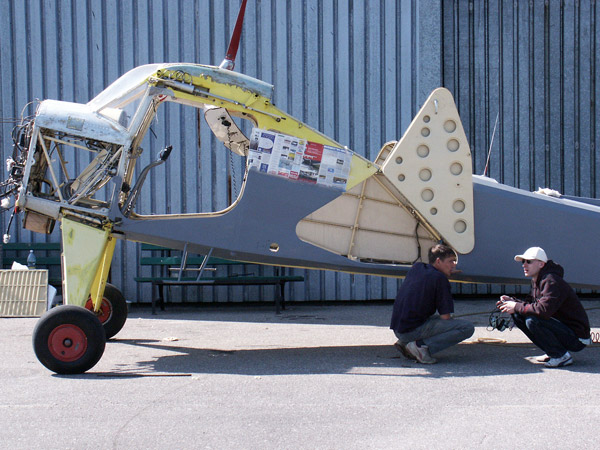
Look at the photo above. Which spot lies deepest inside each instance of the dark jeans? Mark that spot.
(551, 335)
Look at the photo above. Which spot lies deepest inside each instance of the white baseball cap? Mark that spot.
(533, 253)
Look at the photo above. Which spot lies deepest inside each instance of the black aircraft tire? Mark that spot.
(69, 340)
(113, 310)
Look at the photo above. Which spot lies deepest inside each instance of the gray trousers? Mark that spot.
(438, 333)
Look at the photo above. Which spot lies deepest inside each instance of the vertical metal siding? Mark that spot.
(355, 69)
(534, 65)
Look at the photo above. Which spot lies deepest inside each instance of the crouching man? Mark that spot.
(552, 316)
(425, 291)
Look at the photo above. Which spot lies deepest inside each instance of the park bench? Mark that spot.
(174, 271)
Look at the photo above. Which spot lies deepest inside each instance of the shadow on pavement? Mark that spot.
(464, 360)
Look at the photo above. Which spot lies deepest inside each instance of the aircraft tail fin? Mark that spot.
(431, 167)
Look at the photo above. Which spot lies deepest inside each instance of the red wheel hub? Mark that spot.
(67, 343)
(104, 312)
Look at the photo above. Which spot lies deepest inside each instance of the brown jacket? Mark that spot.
(552, 297)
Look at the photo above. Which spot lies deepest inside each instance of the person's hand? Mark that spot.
(507, 306)
(504, 298)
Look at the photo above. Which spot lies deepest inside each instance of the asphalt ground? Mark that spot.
(323, 377)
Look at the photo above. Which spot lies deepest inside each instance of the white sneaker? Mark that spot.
(564, 360)
(402, 349)
(542, 359)
(421, 354)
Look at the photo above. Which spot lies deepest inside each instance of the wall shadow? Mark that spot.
(463, 360)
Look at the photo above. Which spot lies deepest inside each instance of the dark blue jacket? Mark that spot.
(424, 291)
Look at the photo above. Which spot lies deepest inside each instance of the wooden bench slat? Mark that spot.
(220, 280)
(22, 246)
(39, 260)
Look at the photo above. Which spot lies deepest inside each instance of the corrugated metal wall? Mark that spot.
(356, 70)
(533, 65)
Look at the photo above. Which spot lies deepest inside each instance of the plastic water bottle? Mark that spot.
(31, 260)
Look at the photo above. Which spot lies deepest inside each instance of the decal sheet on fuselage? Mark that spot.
(298, 159)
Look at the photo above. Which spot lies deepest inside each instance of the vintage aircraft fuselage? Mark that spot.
(306, 201)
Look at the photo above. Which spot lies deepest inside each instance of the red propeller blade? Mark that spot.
(229, 61)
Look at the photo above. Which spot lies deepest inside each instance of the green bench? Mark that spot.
(47, 255)
(179, 265)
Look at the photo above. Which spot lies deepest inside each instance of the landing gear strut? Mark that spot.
(113, 310)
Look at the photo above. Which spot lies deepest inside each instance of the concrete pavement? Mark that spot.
(313, 377)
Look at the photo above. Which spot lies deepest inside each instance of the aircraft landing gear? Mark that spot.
(113, 310)
(69, 339)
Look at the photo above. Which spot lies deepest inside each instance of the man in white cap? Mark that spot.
(552, 316)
